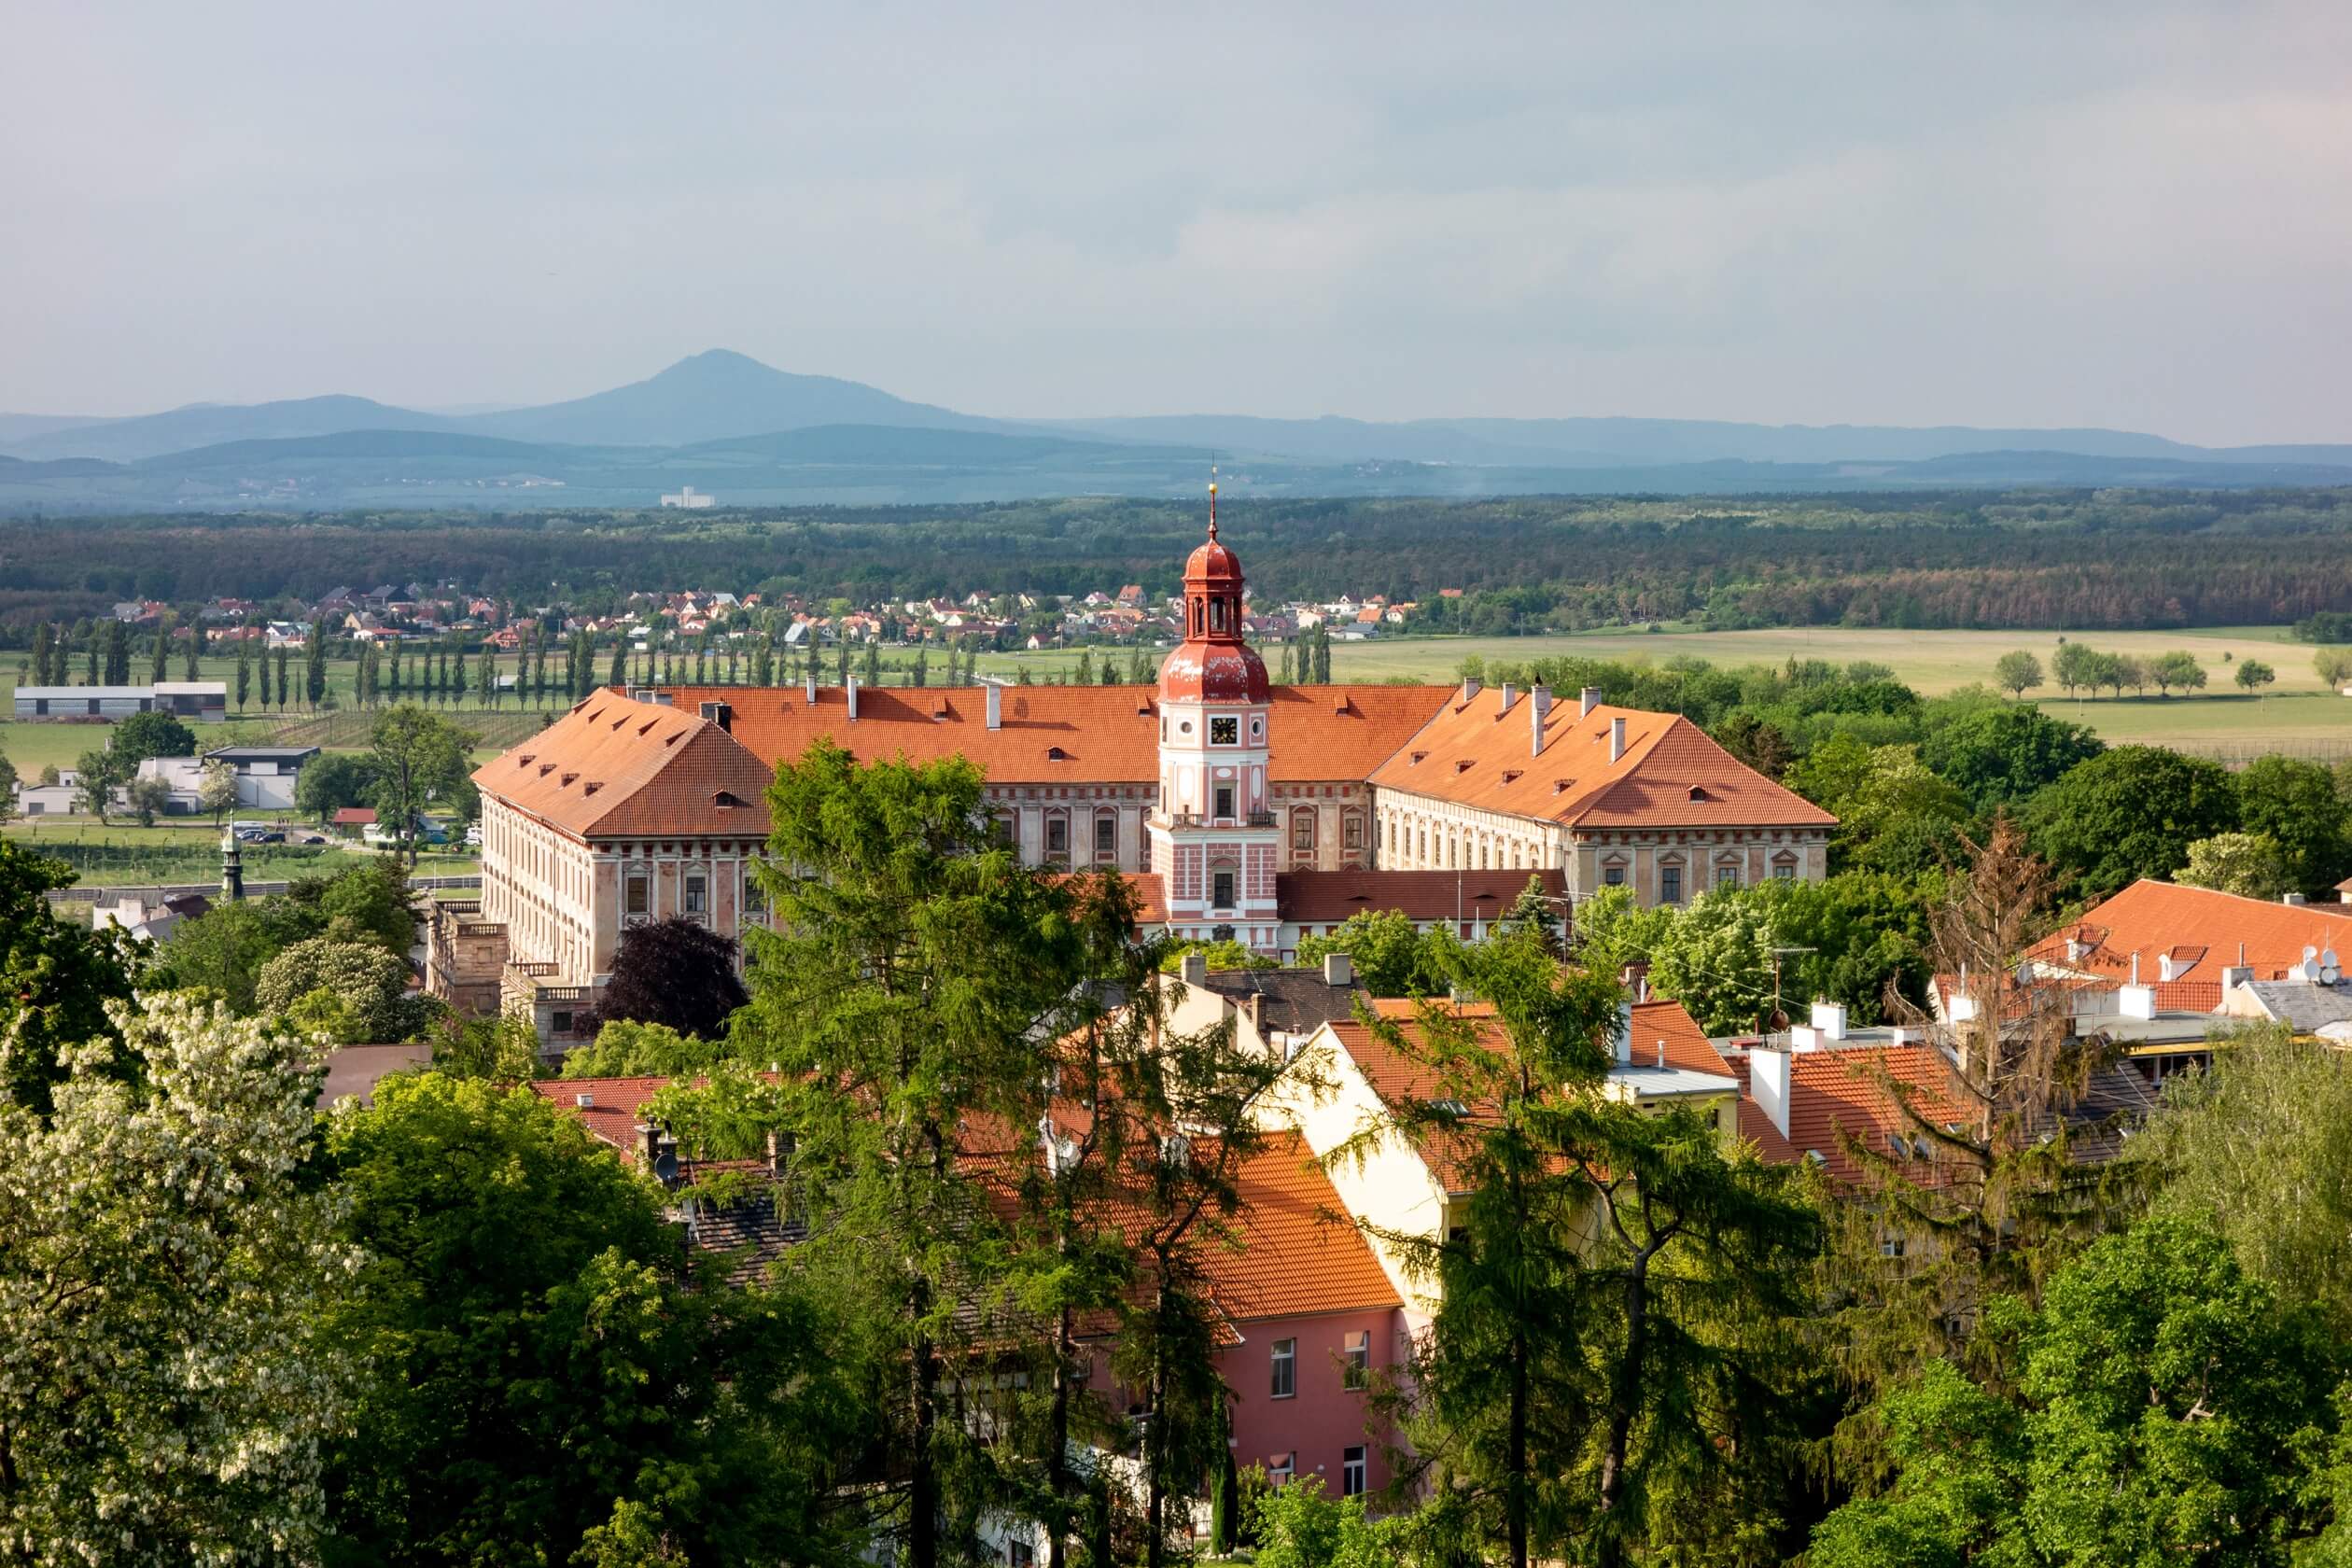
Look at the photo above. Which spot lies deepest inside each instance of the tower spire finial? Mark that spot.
(1213, 500)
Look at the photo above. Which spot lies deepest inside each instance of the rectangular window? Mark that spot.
(1669, 884)
(1784, 871)
(1727, 876)
(698, 893)
(1280, 1468)
(1005, 831)
(1019, 1554)
(1057, 835)
(1351, 1470)
(1613, 876)
(1355, 1358)
(1106, 834)
(1225, 730)
(1302, 830)
(1352, 832)
(635, 899)
(559, 1023)
(754, 896)
(1285, 1368)
(1224, 801)
(1221, 891)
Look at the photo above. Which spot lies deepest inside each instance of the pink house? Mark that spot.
(1310, 1318)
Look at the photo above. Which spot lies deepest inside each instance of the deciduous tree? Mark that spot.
(2129, 813)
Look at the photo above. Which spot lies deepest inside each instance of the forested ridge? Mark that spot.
(2066, 559)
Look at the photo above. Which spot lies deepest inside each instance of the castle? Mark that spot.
(1239, 809)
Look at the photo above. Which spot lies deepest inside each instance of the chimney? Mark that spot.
(1257, 1010)
(648, 1145)
(2136, 1000)
(1193, 969)
(1538, 707)
(1588, 699)
(2134, 968)
(1616, 740)
(1510, 695)
(2297, 899)
(2235, 976)
(1768, 1085)
(1338, 971)
(1661, 1053)
(812, 688)
(1829, 1021)
(779, 1151)
(720, 714)
(1625, 1031)
(853, 697)
(996, 706)
(1469, 687)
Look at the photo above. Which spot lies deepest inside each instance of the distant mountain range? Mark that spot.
(751, 434)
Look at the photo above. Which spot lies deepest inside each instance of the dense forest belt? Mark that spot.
(2043, 559)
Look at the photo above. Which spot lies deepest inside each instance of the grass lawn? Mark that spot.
(125, 854)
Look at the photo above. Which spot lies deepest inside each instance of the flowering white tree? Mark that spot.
(163, 1257)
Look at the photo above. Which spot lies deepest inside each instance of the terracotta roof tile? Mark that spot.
(611, 766)
(1104, 734)
(612, 1111)
(1329, 897)
(1834, 1091)
(1670, 774)
(1298, 1255)
(2201, 931)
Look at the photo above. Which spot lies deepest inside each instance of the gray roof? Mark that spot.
(1296, 1001)
(2304, 1005)
(261, 753)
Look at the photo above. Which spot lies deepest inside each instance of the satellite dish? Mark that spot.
(2330, 970)
(666, 1167)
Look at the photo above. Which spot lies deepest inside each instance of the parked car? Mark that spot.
(473, 836)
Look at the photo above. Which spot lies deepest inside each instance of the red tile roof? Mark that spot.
(612, 767)
(1397, 1077)
(612, 1111)
(1328, 897)
(1102, 734)
(2201, 931)
(1298, 1255)
(355, 816)
(1671, 774)
(1834, 1091)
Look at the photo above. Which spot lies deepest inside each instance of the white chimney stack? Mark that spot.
(1829, 1021)
(2136, 1000)
(853, 697)
(812, 688)
(996, 706)
(1625, 1033)
(1338, 969)
(1469, 687)
(1538, 707)
(1768, 1085)
(1589, 698)
(1616, 740)
(1510, 695)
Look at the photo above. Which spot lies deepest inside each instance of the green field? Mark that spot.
(125, 854)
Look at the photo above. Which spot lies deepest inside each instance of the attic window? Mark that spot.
(565, 782)
(1560, 786)
(1510, 775)
(725, 798)
(1463, 764)
(647, 725)
(546, 768)
(592, 787)
(593, 714)
(1417, 757)
(524, 760)
(1698, 792)
(673, 738)
(1055, 754)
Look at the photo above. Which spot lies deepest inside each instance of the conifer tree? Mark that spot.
(42, 645)
(244, 671)
(910, 992)
(285, 683)
(189, 671)
(160, 663)
(315, 667)
(619, 674)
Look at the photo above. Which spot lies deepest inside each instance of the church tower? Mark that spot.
(1212, 830)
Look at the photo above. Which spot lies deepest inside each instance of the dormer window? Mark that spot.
(726, 798)
(1698, 792)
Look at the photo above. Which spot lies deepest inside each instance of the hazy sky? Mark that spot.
(2127, 214)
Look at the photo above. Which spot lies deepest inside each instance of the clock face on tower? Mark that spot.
(1225, 730)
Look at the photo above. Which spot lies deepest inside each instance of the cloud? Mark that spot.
(2004, 213)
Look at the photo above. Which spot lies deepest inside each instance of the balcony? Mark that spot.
(1195, 820)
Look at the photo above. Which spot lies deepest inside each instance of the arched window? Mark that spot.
(1216, 615)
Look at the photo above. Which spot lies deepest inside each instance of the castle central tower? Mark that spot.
(1212, 830)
